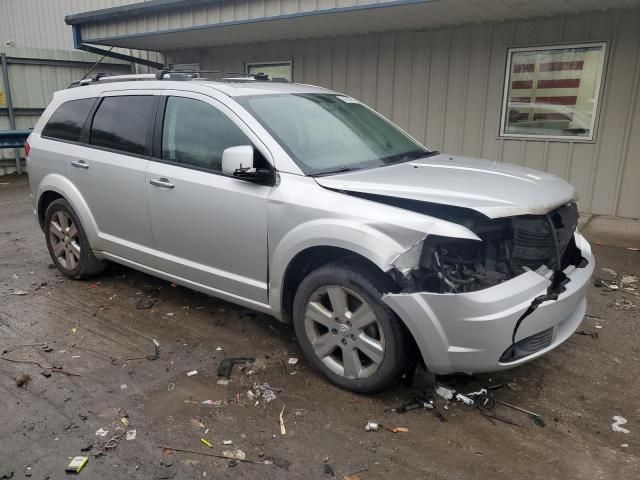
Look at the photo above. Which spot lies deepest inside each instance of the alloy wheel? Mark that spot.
(344, 332)
(64, 238)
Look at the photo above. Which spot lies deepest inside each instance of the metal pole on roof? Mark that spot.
(12, 118)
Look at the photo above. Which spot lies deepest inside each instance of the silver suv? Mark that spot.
(307, 205)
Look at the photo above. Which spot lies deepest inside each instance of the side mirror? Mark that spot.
(237, 160)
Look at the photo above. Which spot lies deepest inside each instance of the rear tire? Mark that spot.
(346, 331)
(67, 242)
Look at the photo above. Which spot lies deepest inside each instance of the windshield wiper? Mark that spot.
(339, 170)
(405, 157)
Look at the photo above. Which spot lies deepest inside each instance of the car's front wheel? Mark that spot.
(346, 331)
(67, 242)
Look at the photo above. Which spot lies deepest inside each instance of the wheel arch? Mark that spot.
(55, 186)
(310, 259)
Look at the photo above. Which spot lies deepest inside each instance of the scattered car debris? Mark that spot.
(192, 373)
(283, 430)
(22, 380)
(598, 282)
(375, 427)
(76, 464)
(237, 453)
(416, 403)
(445, 392)
(617, 422)
(264, 392)
(537, 419)
(226, 365)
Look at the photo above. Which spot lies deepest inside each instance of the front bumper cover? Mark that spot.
(469, 332)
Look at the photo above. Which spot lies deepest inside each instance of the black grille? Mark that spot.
(528, 346)
(534, 242)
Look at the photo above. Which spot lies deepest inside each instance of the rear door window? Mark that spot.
(67, 121)
(122, 123)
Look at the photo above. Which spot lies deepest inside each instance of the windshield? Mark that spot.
(327, 133)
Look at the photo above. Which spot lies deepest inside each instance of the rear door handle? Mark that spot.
(80, 164)
(161, 182)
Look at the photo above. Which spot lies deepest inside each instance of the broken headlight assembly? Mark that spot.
(507, 247)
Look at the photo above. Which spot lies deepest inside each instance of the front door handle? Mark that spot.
(80, 164)
(161, 182)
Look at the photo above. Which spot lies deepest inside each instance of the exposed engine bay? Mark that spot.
(509, 247)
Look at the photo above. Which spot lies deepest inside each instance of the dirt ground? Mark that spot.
(93, 329)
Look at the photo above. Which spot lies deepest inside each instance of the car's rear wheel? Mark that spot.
(67, 242)
(346, 331)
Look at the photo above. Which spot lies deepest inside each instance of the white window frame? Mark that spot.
(596, 105)
(289, 63)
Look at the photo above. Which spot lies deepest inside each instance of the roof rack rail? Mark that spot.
(180, 75)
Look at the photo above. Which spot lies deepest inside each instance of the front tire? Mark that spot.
(346, 331)
(67, 242)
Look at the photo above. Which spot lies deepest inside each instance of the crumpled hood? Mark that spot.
(491, 188)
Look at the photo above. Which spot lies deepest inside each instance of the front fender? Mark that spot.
(55, 182)
(363, 239)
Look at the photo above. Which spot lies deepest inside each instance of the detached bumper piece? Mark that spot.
(528, 346)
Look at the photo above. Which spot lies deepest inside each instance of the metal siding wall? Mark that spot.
(444, 87)
(40, 23)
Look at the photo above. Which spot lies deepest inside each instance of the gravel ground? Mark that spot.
(94, 330)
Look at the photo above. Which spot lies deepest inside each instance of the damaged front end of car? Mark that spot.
(487, 304)
(507, 247)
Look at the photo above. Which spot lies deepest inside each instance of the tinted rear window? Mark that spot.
(67, 121)
(122, 123)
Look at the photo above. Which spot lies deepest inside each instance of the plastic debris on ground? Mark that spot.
(213, 403)
(626, 279)
(617, 422)
(283, 430)
(262, 393)
(76, 464)
(375, 427)
(101, 432)
(192, 373)
(445, 392)
(206, 442)
(131, 434)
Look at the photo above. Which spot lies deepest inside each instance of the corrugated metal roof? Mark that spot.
(170, 24)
